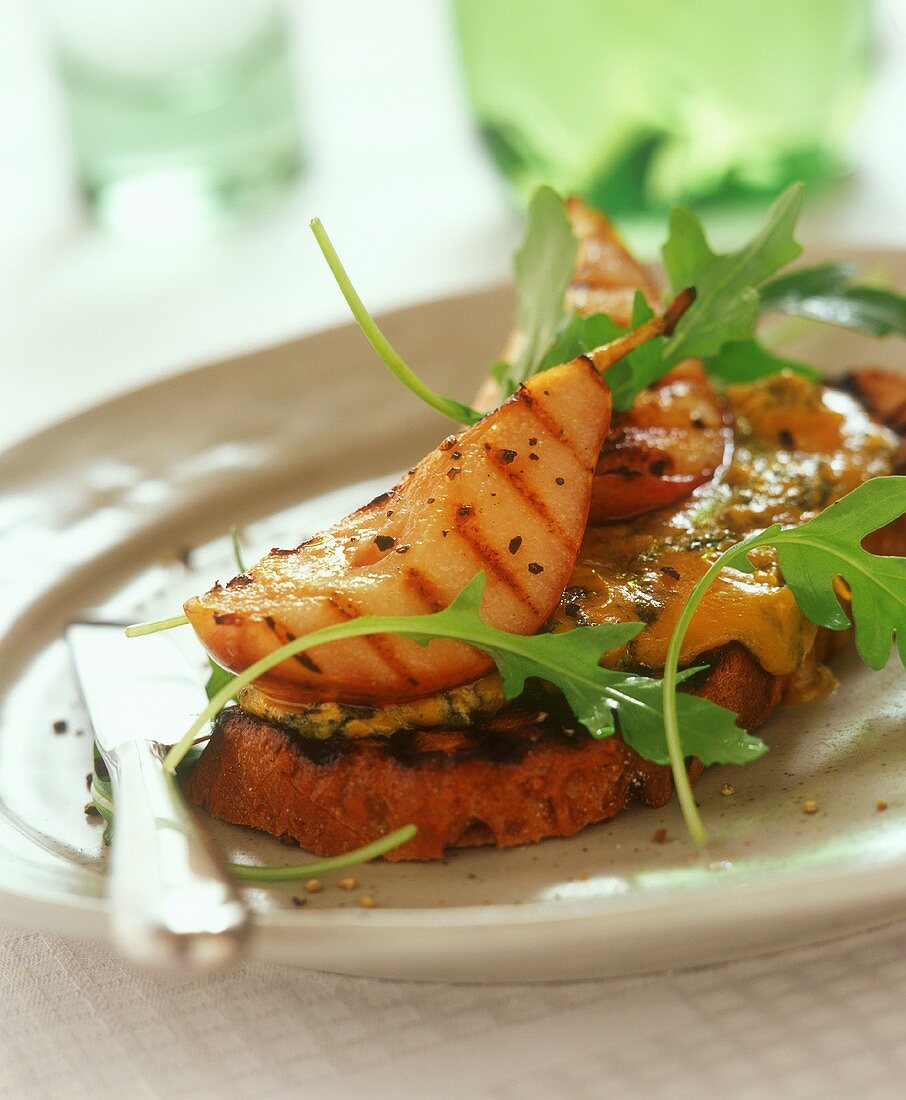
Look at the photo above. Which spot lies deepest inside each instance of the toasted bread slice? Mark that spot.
(516, 778)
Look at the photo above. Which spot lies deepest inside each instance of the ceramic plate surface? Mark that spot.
(123, 510)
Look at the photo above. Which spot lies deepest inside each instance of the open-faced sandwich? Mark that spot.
(627, 557)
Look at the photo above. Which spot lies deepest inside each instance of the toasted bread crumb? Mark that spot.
(348, 883)
(299, 902)
(367, 901)
(660, 836)
(728, 788)
(314, 886)
(881, 804)
(810, 806)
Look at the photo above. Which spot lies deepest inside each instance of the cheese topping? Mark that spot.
(799, 447)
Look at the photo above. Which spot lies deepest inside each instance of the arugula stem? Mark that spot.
(671, 666)
(237, 547)
(292, 871)
(138, 630)
(462, 414)
(671, 721)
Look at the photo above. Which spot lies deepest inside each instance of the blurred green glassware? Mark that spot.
(640, 104)
(182, 117)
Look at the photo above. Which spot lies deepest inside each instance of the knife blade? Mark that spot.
(171, 902)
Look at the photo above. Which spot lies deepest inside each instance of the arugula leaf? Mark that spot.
(631, 374)
(102, 792)
(580, 336)
(825, 293)
(710, 731)
(804, 283)
(727, 304)
(217, 680)
(748, 360)
(455, 410)
(866, 309)
(570, 661)
(596, 695)
(543, 268)
(812, 556)
(635, 372)
(829, 546)
(721, 323)
(686, 252)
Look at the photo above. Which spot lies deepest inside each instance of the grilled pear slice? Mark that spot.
(509, 496)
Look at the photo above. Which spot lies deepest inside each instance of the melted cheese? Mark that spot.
(798, 448)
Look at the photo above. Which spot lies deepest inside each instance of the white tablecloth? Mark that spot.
(824, 1022)
(417, 212)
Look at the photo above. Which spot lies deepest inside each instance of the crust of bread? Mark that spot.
(512, 780)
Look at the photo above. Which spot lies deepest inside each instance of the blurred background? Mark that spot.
(160, 161)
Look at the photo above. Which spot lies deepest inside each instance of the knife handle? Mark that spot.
(172, 905)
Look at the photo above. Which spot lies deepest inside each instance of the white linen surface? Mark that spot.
(822, 1021)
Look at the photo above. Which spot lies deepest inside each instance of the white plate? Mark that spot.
(97, 512)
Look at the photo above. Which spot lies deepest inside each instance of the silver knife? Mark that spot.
(172, 905)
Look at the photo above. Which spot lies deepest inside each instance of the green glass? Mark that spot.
(640, 104)
(184, 146)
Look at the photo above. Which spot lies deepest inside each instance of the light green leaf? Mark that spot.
(829, 546)
(825, 293)
(727, 303)
(866, 309)
(686, 252)
(710, 732)
(805, 282)
(218, 678)
(580, 336)
(635, 372)
(543, 268)
(447, 406)
(749, 360)
(629, 375)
